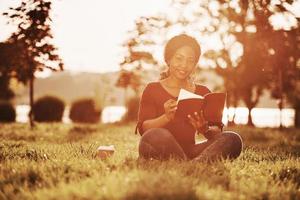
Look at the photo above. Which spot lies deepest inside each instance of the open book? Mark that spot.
(212, 105)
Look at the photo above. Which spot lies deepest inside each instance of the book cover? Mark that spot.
(212, 105)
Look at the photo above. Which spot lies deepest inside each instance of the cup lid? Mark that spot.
(106, 148)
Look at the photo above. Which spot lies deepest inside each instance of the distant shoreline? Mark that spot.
(262, 117)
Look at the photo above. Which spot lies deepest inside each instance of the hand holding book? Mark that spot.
(170, 107)
(211, 105)
(198, 122)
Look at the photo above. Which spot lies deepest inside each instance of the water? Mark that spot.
(110, 114)
(262, 117)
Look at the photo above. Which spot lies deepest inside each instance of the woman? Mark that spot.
(162, 135)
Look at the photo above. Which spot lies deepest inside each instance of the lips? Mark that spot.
(182, 72)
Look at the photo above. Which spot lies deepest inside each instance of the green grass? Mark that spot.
(58, 161)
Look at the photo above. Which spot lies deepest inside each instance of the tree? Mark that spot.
(128, 79)
(32, 40)
(133, 63)
(285, 69)
(274, 52)
(230, 75)
(219, 26)
(241, 31)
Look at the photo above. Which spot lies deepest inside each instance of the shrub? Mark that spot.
(7, 112)
(84, 111)
(132, 109)
(48, 109)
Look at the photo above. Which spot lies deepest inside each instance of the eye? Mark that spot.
(178, 58)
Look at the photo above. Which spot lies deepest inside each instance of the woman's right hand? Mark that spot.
(170, 107)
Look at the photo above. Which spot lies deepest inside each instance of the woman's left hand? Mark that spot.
(198, 122)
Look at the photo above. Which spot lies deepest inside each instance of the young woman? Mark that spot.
(162, 135)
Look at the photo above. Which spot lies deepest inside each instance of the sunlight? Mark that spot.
(283, 21)
(95, 46)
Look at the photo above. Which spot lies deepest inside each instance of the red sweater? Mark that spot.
(152, 106)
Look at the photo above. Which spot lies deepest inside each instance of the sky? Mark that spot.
(89, 33)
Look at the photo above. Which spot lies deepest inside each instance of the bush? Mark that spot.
(48, 109)
(84, 111)
(132, 109)
(7, 112)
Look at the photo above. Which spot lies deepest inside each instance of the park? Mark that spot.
(73, 87)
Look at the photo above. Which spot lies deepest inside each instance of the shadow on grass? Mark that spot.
(15, 182)
(212, 173)
(161, 185)
(11, 187)
(175, 179)
(148, 194)
(18, 150)
(288, 174)
(79, 132)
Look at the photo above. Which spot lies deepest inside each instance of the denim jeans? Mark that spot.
(159, 143)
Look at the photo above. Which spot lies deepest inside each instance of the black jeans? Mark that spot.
(159, 143)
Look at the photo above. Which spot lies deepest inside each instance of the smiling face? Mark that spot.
(182, 63)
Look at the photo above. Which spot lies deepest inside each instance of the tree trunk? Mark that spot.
(231, 122)
(251, 103)
(227, 105)
(280, 103)
(235, 105)
(231, 101)
(280, 106)
(31, 101)
(297, 116)
(250, 122)
(125, 96)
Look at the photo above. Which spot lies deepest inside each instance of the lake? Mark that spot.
(262, 117)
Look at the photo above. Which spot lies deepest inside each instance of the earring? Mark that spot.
(168, 72)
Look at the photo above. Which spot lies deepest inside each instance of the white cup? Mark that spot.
(104, 152)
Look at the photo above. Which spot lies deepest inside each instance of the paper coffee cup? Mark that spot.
(104, 152)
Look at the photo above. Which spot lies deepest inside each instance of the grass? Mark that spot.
(58, 161)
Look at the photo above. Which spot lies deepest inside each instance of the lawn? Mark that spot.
(58, 161)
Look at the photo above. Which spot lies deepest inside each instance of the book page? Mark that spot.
(184, 94)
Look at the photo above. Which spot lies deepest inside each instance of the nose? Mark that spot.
(183, 64)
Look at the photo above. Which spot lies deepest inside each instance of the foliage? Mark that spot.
(267, 48)
(5, 60)
(132, 109)
(129, 79)
(31, 43)
(84, 110)
(135, 60)
(48, 109)
(248, 56)
(6, 92)
(7, 112)
(43, 164)
(33, 37)
(285, 68)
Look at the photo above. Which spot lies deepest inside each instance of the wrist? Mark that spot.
(166, 118)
